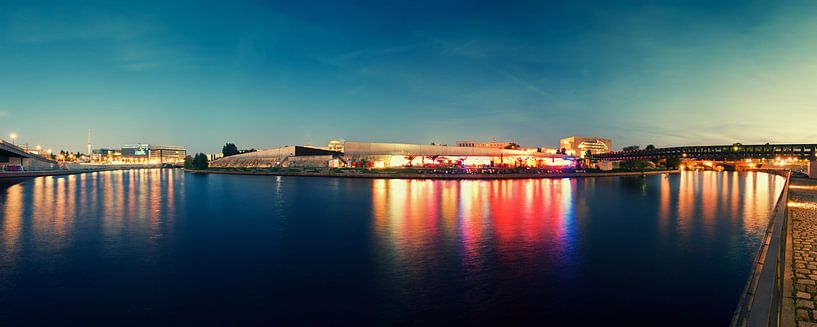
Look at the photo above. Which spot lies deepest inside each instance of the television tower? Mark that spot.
(89, 141)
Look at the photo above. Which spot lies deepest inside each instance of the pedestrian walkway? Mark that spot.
(803, 215)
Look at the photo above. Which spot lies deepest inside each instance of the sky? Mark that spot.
(272, 73)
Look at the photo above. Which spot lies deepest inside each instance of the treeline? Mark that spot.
(200, 161)
(231, 149)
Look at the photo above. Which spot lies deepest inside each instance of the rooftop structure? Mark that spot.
(491, 145)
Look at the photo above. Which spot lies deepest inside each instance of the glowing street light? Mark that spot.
(13, 137)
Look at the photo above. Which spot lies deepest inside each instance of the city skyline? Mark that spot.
(262, 75)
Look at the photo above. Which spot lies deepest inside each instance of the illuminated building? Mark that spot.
(383, 155)
(106, 155)
(152, 154)
(579, 145)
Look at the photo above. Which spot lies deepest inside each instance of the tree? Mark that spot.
(188, 162)
(200, 161)
(229, 149)
(673, 162)
(634, 164)
(630, 148)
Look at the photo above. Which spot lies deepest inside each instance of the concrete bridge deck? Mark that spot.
(12, 155)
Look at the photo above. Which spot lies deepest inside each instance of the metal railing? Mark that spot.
(762, 298)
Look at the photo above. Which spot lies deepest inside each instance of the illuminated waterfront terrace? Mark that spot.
(381, 155)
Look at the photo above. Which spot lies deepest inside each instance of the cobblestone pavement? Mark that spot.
(803, 212)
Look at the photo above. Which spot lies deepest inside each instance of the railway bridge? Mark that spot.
(734, 152)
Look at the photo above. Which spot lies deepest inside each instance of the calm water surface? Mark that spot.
(152, 246)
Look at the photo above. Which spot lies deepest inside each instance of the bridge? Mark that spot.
(735, 151)
(13, 157)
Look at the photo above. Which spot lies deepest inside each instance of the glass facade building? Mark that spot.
(150, 153)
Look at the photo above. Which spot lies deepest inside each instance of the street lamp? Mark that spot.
(13, 137)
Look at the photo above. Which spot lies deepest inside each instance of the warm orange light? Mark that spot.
(802, 205)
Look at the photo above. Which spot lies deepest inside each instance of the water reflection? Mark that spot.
(49, 212)
(521, 217)
(557, 228)
(516, 222)
(12, 223)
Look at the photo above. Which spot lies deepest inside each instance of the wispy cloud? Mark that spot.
(362, 60)
(133, 42)
(530, 86)
(40, 25)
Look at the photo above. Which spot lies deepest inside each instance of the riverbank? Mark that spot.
(428, 176)
(43, 173)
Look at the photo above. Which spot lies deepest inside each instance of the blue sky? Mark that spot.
(264, 74)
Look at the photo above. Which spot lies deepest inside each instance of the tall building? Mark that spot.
(579, 145)
(89, 142)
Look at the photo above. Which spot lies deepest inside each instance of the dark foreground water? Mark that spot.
(162, 246)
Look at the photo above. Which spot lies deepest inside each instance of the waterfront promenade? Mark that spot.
(375, 175)
(803, 215)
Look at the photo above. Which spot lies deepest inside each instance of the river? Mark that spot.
(162, 246)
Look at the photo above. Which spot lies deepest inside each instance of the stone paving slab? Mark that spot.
(803, 214)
